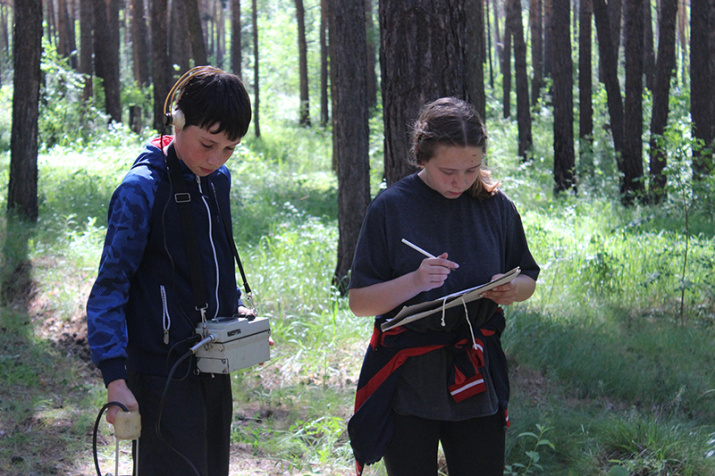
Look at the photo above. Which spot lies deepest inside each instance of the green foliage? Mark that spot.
(533, 443)
(66, 119)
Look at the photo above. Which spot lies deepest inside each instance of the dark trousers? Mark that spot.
(473, 447)
(195, 432)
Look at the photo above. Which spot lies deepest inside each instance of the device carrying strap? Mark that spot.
(191, 244)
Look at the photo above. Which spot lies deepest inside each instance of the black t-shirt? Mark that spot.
(484, 237)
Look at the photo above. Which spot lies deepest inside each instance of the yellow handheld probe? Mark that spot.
(127, 426)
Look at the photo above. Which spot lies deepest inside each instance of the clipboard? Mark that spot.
(416, 312)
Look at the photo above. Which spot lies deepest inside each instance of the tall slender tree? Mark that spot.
(196, 33)
(562, 92)
(523, 113)
(661, 97)
(86, 46)
(506, 72)
(324, 15)
(160, 67)
(609, 68)
(348, 51)
(27, 51)
(304, 112)
(536, 19)
(106, 49)
(140, 43)
(633, 114)
(585, 83)
(372, 41)
(476, 55)
(701, 87)
(256, 64)
(236, 53)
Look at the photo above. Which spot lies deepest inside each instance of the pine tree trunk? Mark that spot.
(562, 92)
(661, 97)
(27, 51)
(633, 113)
(196, 33)
(476, 55)
(324, 85)
(418, 37)
(86, 46)
(236, 53)
(585, 86)
(256, 64)
(609, 68)
(160, 67)
(536, 20)
(304, 113)
(700, 87)
(140, 43)
(348, 51)
(523, 114)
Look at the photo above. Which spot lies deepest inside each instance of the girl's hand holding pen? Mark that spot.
(434, 271)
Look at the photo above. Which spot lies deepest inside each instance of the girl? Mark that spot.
(453, 386)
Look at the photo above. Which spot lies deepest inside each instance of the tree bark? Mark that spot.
(661, 98)
(372, 36)
(423, 57)
(548, 41)
(585, 83)
(86, 46)
(179, 38)
(700, 88)
(196, 33)
(140, 43)
(160, 67)
(304, 113)
(648, 49)
(476, 56)
(536, 21)
(348, 48)
(324, 85)
(236, 53)
(27, 45)
(506, 73)
(633, 114)
(609, 68)
(256, 64)
(106, 48)
(523, 113)
(562, 92)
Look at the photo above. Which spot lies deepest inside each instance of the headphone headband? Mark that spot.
(181, 82)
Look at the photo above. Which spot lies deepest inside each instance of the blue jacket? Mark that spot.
(141, 313)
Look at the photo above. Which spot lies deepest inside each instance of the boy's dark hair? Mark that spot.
(211, 96)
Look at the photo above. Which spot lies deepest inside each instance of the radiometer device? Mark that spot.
(232, 343)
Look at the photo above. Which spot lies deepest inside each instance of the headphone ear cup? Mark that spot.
(178, 119)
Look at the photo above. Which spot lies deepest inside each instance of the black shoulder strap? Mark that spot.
(229, 235)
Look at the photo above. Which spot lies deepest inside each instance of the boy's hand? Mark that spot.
(118, 391)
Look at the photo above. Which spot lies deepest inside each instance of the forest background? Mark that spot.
(612, 360)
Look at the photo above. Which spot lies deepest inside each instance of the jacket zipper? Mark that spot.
(213, 245)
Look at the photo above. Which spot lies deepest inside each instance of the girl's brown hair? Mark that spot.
(452, 122)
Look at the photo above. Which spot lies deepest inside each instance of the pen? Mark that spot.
(417, 248)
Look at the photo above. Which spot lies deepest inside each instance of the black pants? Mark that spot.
(195, 430)
(473, 447)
